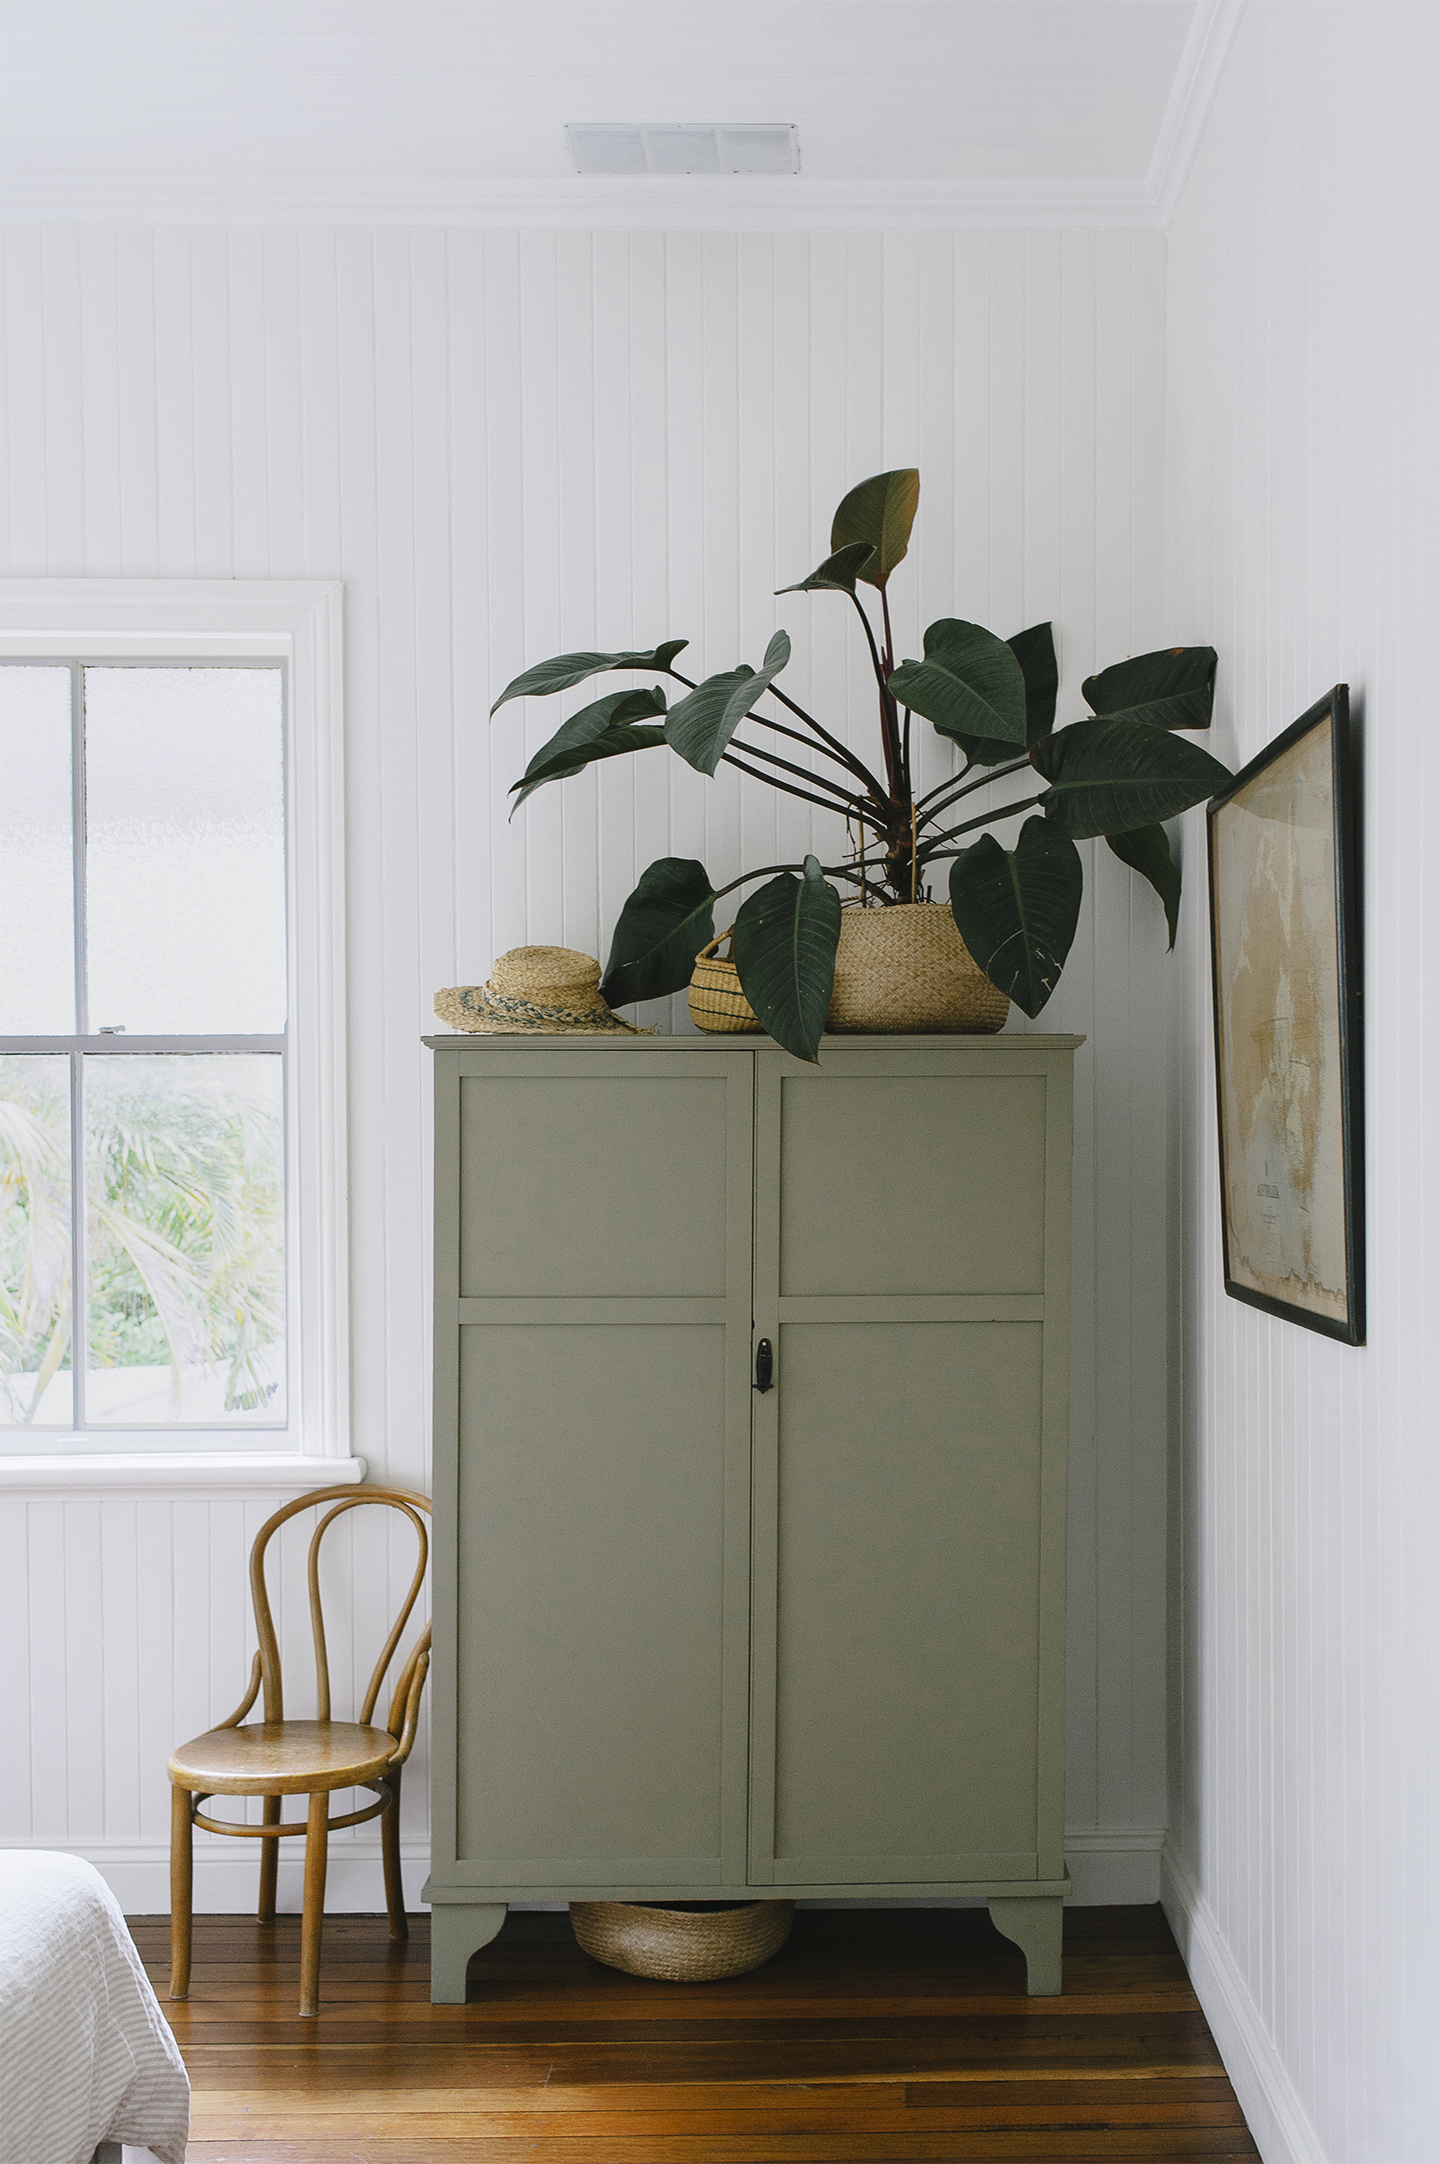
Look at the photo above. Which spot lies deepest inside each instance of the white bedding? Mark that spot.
(86, 2056)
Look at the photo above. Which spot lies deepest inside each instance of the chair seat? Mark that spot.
(282, 1758)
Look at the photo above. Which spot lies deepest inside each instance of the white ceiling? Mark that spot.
(1085, 110)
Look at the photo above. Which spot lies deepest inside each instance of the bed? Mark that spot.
(87, 2060)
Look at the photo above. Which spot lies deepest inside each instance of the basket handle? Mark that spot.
(706, 952)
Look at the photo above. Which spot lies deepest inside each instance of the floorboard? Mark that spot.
(874, 2037)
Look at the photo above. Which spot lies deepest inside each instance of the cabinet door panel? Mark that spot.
(907, 1601)
(591, 1517)
(901, 1182)
(589, 1185)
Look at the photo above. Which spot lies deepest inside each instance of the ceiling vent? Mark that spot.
(684, 146)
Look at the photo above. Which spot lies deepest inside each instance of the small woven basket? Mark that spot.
(907, 968)
(683, 1946)
(717, 1003)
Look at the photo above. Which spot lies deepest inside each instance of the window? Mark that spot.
(171, 1110)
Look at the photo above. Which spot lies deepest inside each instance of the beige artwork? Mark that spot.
(1278, 995)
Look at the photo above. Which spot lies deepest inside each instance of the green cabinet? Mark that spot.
(693, 1639)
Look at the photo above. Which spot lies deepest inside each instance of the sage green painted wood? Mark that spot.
(592, 1302)
(590, 1612)
(907, 1586)
(827, 1475)
(591, 1467)
(862, 1153)
(456, 1934)
(582, 1184)
(1037, 1928)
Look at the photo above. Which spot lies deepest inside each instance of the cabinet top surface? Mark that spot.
(1005, 1041)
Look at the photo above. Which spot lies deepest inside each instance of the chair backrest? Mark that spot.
(347, 1498)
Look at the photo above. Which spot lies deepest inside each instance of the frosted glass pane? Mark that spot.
(185, 850)
(185, 1239)
(37, 899)
(35, 1387)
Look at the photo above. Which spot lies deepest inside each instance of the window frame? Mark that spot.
(298, 622)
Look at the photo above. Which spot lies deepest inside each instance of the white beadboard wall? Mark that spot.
(507, 444)
(1304, 523)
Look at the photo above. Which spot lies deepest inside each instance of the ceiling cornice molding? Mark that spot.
(590, 204)
(1188, 108)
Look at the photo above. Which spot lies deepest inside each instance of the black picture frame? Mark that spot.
(1285, 975)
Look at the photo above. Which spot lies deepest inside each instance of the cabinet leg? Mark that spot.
(457, 1931)
(1036, 1927)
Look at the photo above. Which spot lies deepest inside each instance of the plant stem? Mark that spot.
(770, 871)
(941, 786)
(821, 781)
(993, 773)
(823, 803)
(931, 849)
(841, 751)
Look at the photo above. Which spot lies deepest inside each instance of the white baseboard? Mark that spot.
(1108, 1864)
(1273, 2111)
(138, 1874)
(1119, 1864)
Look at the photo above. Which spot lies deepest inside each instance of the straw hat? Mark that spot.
(534, 991)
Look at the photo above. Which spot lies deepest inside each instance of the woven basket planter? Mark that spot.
(683, 1946)
(717, 1003)
(907, 968)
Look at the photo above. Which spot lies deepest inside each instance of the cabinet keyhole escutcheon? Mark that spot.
(764, 1364)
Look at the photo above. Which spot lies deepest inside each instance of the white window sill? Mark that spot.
(92, 1476)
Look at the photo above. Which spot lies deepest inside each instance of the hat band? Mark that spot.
(596, 1016)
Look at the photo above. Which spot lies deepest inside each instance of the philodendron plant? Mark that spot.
(1119, 773)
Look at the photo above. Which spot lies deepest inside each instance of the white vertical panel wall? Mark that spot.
(506, 445)
(1304, 516)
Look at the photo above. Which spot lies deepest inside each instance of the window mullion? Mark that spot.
(79, 1308)
(79, 1288)
(77, 821)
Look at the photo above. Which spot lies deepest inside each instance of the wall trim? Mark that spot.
(1268, 2097)
(587, 203)
(1188, 108)
(167, 1476)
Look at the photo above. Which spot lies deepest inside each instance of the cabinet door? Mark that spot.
(912, 1269)
(599, 1362)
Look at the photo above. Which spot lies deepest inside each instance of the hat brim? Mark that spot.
(468, 1007)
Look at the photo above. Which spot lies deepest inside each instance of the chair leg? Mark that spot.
(181, 1891)
(312, 1923)
(390, 1851)
(269, 1862)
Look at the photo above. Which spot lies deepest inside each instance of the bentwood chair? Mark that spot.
(275, 1758)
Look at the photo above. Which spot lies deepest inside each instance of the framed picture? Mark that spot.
(1285, 966)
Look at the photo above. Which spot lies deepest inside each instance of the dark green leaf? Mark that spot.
(610, 745)
(785, 940)
(1035, 651)
(1109, 776)
(616, 708)
(1147, 851)
(969, 684)
(663, 926)
(563, 670)
(837, 574)
(880, 511)
(700, 725)
(1172, 689)
(1017, 910)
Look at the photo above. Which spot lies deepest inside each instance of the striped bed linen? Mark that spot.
(86, 2056)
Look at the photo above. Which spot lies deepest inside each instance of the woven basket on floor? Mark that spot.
(907, 968)
(684, 1946)
(716, 1000)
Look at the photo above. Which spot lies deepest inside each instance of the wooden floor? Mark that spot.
(874, 2036)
